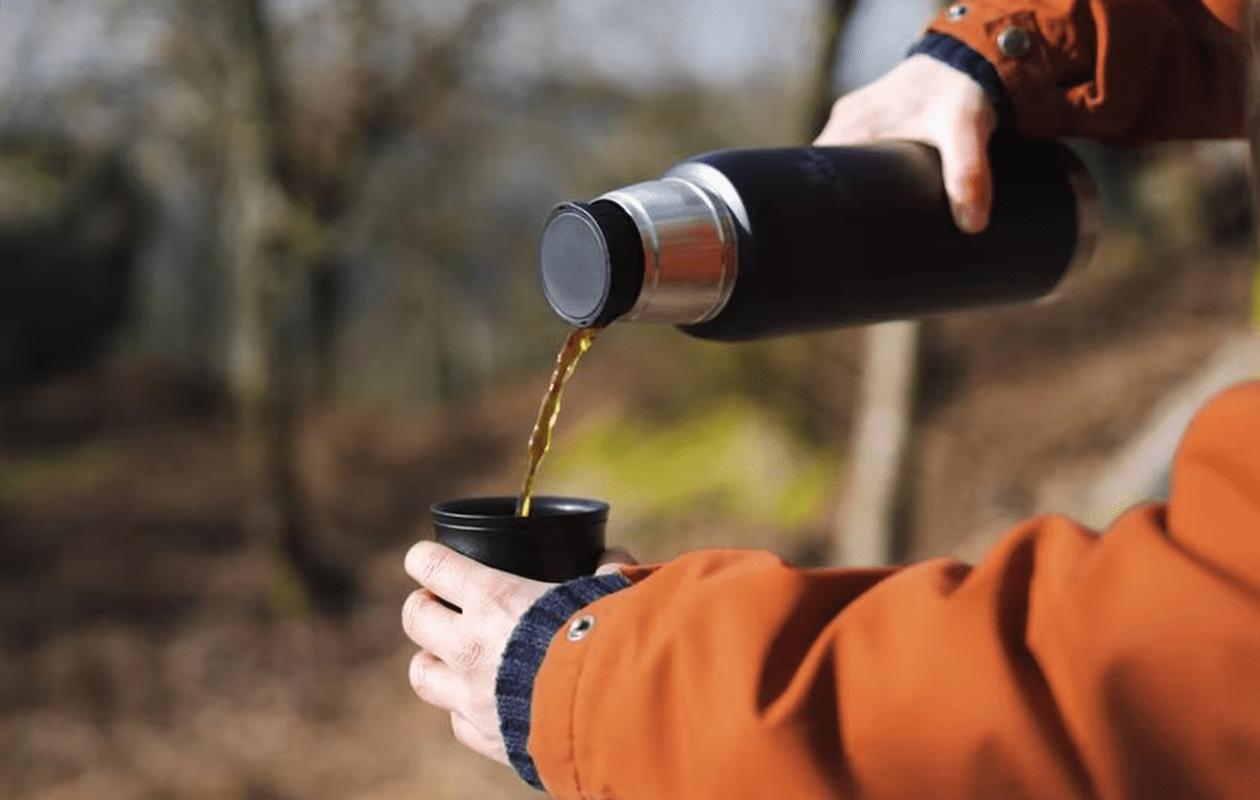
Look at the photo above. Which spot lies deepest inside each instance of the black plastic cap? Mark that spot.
(590, 261)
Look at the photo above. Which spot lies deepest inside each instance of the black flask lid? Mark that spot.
(590, 260)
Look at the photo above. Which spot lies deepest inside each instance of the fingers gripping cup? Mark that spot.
(561, 539)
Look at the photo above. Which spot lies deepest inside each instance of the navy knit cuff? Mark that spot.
(523, 656)
(962, 58)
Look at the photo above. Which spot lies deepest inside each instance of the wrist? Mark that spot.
(956, 54)
(523, 656)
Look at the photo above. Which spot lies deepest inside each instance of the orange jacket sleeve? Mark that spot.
(1066, 665)
(1121, 71)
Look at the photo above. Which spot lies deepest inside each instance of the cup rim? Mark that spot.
(500, 511)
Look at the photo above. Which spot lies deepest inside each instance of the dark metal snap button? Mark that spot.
(1014, 42)
(957, 12)
(580, 627)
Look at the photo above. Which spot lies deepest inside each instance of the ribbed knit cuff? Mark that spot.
(949, 50)
(523, 656)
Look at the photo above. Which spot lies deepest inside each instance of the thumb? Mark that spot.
(613, 559)
(968, 179)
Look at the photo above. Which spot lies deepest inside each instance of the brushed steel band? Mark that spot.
(689, 250)
(712, 180)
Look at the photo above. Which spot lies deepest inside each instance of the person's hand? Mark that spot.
(926, 100)
(457, 667)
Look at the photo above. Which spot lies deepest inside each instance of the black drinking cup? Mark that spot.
(561, 539)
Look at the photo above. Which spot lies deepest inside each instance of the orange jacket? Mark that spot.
(1066, 665)
(1122, 71)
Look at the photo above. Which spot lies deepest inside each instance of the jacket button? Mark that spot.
(580, 627)
(1014, 42)
(957, 12)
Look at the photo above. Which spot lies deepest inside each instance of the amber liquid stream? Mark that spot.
(578, 342)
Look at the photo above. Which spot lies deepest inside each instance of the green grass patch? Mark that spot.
(730, 461)
(72, 470)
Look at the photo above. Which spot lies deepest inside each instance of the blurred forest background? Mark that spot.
(267, 291)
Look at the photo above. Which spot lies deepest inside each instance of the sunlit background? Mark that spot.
(267, 291)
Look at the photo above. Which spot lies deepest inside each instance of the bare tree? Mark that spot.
(873, 483)
(836, 14)
(290, 178)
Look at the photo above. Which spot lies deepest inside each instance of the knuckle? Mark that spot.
(469, 655)
(411, 613)
(415, 557)
(432, 560)
(498, 598)
(850, 131)
(419, 676)
(843, 114)
(855, 101)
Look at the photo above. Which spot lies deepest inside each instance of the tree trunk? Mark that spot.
(881, 435)
(867, 516)
(835, 17)
(248, 218)
(263, 355)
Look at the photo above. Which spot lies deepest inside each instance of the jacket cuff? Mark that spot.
(958, 55)
(523, 655)
(1014, 44)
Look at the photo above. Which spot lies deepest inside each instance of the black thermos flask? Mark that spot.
(748, 243)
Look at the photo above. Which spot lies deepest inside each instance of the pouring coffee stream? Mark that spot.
(575, 344)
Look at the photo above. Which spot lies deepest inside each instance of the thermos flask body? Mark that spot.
(745, 244)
